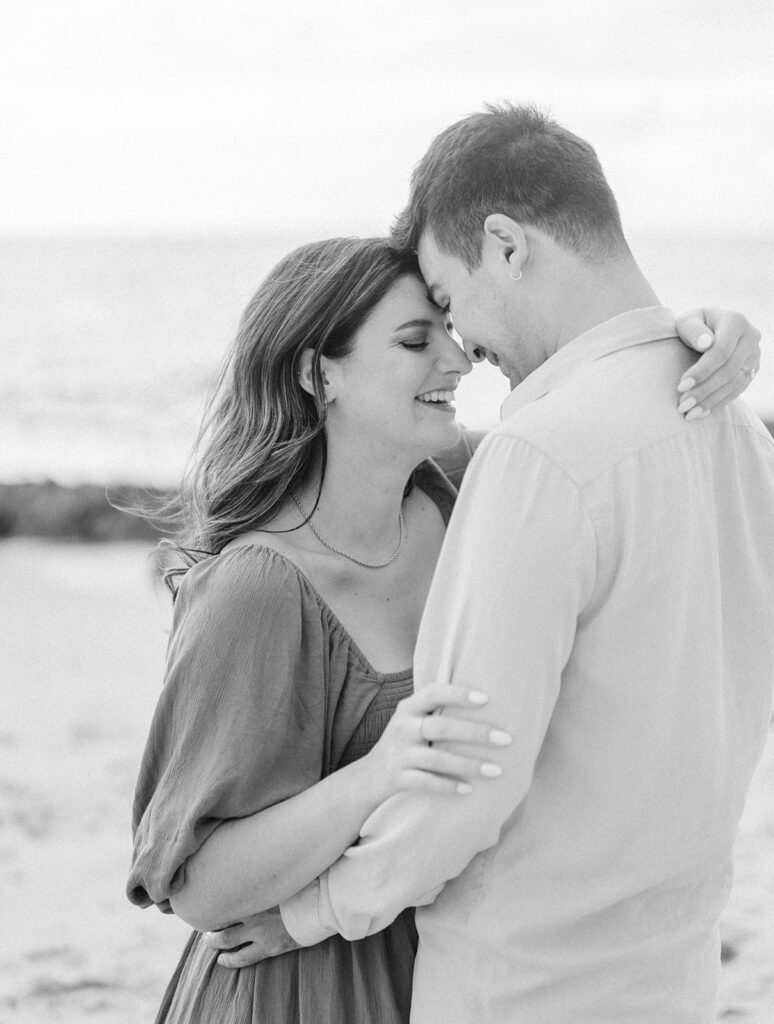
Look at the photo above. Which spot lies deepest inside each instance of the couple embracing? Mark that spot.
(528, 704)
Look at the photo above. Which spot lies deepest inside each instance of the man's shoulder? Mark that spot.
(607, 410)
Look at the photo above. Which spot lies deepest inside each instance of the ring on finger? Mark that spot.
(749, 372)
(422, 736)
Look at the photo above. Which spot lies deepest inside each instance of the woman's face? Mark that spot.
(396, 387)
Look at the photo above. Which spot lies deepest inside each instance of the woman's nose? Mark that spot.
(454, 358)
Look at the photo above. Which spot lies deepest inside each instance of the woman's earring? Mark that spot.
(510, 274)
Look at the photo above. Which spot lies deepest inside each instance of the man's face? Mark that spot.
(482, 304)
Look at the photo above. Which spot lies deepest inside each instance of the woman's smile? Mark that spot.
(441, 399)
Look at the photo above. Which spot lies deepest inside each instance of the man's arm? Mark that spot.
(516, 570)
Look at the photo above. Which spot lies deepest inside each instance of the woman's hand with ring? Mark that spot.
(732, 357)
(407, 755)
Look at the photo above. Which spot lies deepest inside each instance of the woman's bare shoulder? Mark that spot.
(281, 537)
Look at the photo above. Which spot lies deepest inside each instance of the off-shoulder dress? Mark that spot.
(265, 694)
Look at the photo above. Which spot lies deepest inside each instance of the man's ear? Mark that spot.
(506, 242)
(306, 376)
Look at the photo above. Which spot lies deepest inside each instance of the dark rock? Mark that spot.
(86, 512)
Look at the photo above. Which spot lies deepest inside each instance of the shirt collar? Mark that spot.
(635, 327)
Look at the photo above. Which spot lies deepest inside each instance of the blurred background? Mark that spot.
(156, 159)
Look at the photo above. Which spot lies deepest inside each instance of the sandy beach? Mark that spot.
(81, 659)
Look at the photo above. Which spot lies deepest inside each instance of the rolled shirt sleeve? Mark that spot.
(516, 571)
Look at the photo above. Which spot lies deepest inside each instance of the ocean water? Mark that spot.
(109, 344)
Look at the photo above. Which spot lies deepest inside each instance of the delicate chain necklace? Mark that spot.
(338, 551)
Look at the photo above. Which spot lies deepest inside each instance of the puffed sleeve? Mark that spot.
(240, 724)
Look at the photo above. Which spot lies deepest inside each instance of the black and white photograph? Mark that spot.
(386, 512)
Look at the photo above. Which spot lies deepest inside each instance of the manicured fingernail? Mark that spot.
(703, 342)
(477, 697)
(490, 770)
(686, 405)
(500, 738)
(464, 788)
(686, 384)
(697, 413)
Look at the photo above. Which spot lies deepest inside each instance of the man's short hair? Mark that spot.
(513, 160)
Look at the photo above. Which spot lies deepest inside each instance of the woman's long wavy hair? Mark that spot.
(261, 431)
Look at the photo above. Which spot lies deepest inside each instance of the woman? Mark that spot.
(317, 515)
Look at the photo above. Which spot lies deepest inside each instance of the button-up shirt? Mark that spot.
(608, 579)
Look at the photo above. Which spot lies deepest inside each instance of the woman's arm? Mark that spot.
(732, 357)
(250, 864)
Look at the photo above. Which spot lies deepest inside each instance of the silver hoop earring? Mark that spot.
(510, 274)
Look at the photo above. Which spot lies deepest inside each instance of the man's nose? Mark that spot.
(475, 353)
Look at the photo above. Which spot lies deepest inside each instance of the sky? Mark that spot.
(158, 116)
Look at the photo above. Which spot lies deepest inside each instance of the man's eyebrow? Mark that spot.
(414, 323)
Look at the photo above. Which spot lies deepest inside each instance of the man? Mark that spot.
(608, 579)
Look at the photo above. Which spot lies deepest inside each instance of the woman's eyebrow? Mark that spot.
(414, 323)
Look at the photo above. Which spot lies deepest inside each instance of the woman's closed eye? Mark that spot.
(415, 344)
